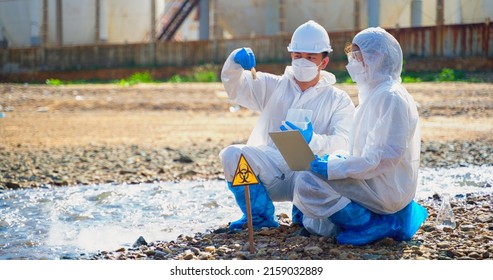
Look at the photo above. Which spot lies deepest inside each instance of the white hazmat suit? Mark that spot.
(272, 96)
(381, 170)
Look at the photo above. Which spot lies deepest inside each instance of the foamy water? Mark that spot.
(76, 221)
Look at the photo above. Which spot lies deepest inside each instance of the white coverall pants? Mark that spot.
(319, 199)
(267, 164)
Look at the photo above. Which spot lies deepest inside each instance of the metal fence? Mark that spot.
(427, 44)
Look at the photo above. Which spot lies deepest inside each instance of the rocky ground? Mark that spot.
(90, 134)
(472, 239)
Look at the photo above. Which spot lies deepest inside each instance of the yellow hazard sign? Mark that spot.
(244, 174)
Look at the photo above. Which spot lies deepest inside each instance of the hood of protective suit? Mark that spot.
(381, 53)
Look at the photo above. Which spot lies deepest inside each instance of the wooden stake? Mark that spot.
(254, 73)
(244, 176)
(250, 222)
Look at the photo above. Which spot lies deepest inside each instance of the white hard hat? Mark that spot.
(310, 37)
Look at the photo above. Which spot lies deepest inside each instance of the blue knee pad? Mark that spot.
(263, 209)
(400, 226)
(351, 217)
(379, 227)
(360, 226)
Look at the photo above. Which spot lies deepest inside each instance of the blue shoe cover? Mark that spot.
(401, 226)
(238, 224)
(380, 226)
(351, 217)
(257, 221)
(409, 220)
(263, 209)
(297, 216)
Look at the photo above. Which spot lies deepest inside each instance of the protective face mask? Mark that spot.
(304, 70)
(357, 71)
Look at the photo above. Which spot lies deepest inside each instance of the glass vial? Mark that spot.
(445, 215)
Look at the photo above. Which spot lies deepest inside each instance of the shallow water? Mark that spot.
(74, 222)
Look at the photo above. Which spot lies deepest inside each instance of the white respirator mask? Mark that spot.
(304, 70)
(357, 71)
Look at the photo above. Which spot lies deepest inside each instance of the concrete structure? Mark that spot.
(75, 22)
(28, 23)
(431, 48)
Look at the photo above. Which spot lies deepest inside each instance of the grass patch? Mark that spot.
(136, 78)
(445, 75)
(58, 82)
(208, 74)
(201, 74)
(54, 82)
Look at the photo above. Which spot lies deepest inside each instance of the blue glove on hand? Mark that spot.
(319, 165)
(245, 58)
(306, 133)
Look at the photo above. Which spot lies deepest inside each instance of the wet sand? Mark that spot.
(91, 134)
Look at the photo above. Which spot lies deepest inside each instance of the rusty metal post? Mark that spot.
(59, 23)
(97, 27)
(215, 21)
(282, 17)
(204, 22)
(218, 34)
(44, 26)
(416, 13)
(373, 13)
(440, 20)
(486, 37)
(152, 41)
(356, 14)
(97, 34)
(439, 27)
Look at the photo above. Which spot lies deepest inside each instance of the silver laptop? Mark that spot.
(294, 149)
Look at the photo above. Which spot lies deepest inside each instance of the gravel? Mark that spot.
(57, 153)
(472, 239)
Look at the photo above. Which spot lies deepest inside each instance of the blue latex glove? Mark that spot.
(306, 133)
(245, 58)
(319, 165)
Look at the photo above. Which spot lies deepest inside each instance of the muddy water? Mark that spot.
(74, 222)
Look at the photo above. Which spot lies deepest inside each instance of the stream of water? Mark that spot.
(74, 222)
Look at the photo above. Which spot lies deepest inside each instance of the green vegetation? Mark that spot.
(145, 77)
(208, 74)
(200, 74)
(58, 82)
(54, 82)
(446, 75)
(199, 77)
(136, 78)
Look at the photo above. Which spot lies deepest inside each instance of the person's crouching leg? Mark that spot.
(262, 207)
(360, 226)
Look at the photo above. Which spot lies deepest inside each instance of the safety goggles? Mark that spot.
(355, 55)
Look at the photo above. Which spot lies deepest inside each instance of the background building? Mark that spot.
(27, 23)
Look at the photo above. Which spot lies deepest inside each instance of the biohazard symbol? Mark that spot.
(244, 174)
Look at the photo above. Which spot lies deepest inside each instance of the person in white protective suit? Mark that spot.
(304, 85)
(368, 195)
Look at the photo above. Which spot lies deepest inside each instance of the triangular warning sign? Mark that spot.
(244, 174)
